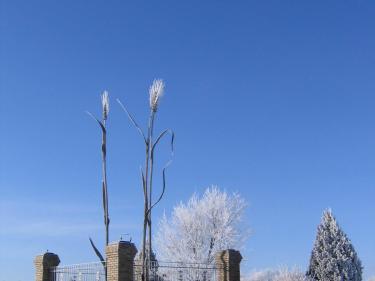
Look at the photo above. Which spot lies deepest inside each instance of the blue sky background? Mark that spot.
(273, 99)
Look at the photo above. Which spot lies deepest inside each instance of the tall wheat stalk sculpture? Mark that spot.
(102, 124)
(156, 92)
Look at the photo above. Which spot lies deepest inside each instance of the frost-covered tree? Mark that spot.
(282, 274)
(204, 225)
(333, 257)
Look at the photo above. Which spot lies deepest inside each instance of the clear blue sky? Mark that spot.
(273, 99)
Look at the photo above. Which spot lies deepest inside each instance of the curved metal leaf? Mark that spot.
(163, 190)
(97, 252)
(143, 182)
(132, 120)
(97, 120)
(105, 204)
(161, 136)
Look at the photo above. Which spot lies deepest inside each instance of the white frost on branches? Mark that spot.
(333, 257)
(201, 227)
(283, 274)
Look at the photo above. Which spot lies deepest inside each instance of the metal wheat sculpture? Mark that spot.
(102, 124)
(156, 91)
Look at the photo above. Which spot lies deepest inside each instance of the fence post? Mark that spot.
(43, 264)
(228, 265)
(120, 260)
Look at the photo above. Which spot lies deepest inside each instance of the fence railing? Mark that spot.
(121, 265)
(177, 271)
(158, 271)
(78, 272)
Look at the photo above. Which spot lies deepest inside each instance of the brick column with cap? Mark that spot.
(228, 265)
(120, 259)
(43, 264)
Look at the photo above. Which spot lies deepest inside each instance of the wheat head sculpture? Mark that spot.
(102, 124)
(156, 91)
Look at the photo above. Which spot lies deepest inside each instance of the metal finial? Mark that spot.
(124, 234)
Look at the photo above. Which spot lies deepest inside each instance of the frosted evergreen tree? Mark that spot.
(333, 257)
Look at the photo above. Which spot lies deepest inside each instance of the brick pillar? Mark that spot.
(120, 259)
(228, 264)
(43, 264)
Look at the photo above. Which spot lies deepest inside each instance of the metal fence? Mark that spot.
(78, 272)
(158, 271)
(177, 271)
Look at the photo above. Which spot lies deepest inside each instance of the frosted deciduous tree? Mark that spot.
(204, 225)
(333, 257)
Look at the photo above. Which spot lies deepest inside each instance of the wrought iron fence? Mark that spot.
(177, 271)
(78, 272)
(158, 271)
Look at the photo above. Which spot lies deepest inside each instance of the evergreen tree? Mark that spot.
(333, 257)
